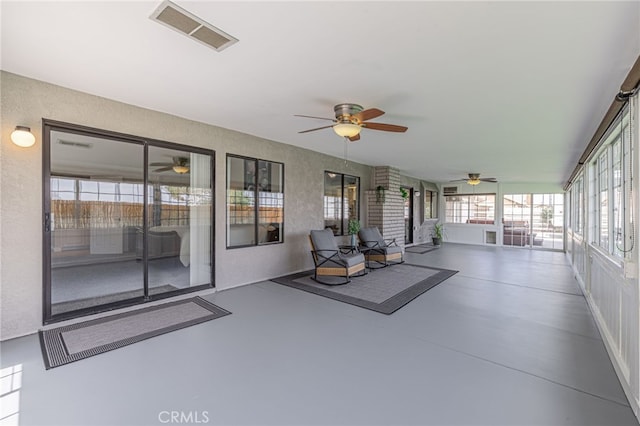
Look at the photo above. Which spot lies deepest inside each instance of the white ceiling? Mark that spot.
(513, 90)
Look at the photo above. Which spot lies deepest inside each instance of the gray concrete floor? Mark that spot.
(509, 340)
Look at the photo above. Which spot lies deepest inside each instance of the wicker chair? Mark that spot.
(376, 249)
(330, 261)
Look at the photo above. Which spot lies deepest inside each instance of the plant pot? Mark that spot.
(436, 241)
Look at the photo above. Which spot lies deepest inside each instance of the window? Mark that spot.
(610, 180)
(340, 201)
(577, 193)
(430, 198)
(255, 202)
(603, 198)
(470, 208)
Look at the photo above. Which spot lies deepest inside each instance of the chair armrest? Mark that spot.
(391, 242)
(319, 258)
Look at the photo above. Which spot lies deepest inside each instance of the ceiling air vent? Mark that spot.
(447, 190)
(178, 19)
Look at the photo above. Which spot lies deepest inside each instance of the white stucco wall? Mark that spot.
(25, 102)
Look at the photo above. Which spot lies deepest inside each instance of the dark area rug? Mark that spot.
(66, 344)
(383, 290)
(421, 248)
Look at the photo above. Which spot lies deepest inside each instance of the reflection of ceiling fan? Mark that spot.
(351, 118)
(474, 179)
(179, 165)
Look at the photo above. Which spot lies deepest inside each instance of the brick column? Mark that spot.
(387, 216)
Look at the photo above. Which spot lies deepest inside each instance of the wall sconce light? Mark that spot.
(416, 193)
(23, 137)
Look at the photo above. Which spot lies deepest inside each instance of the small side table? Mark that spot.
(348, 249)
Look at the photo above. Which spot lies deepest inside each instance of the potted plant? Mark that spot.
(352, 229)
(404, 193)
(438, 234)
(380, 194)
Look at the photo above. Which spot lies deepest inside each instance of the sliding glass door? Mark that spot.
(126, 220)
(533, 220)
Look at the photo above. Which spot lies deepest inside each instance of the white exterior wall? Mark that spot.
(464, 233)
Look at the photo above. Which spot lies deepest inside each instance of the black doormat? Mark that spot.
(66, 344)
(383, 290)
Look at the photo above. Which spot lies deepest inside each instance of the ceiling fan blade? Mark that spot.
(369, 114)
(354, 138)
(385, 127)
(164, 169)
(311, 116)
(459, 180)
(494, 180)
(317, 128)
(160, 164)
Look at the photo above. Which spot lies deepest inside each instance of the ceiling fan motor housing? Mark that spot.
(345, 111)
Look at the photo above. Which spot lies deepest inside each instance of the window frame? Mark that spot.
(433, 205)
(469, 196)
(256, 204)
(615, 138)
(577, 206)
(342, 231)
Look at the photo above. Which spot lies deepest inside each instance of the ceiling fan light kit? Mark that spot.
(179, 165)
(180, 169)
(346, 130)
(475, 179)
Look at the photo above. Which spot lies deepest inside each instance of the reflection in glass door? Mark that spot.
(179, 218)
(108, 247)
(96, 212)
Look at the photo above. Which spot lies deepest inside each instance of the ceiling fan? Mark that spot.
(179, 165)
(475, 179)
(351, 119)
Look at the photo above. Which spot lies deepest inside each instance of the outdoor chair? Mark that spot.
(329, 260)
(376, 249)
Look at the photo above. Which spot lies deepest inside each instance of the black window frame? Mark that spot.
(432, 212)
(342, 230)
(256, 207)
